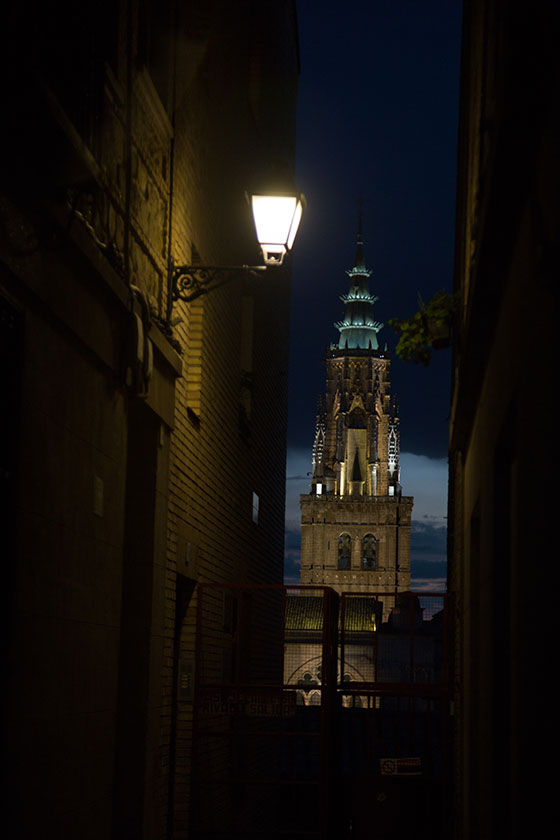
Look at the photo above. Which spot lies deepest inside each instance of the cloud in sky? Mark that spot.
(428, 562)
(297, 482)
(425, 479)
(422, 477)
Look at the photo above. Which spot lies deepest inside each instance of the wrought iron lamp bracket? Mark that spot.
(191, 281)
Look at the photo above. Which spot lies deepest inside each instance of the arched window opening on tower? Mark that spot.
(344, 551)
(369, 552)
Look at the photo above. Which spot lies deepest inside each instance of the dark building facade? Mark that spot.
(143, 446)
(501, 520)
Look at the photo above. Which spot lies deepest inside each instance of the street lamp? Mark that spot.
(276, 219)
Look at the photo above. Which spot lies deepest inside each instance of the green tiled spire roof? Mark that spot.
(358, 328)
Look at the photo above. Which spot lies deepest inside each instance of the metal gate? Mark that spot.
(318, 715)
(393, 721)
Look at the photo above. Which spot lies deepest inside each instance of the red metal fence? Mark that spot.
(314, 711)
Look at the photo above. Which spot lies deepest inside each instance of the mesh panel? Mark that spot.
(258, 740)
(395, 639)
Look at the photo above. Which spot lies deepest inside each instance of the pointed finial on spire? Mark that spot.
(359, 259)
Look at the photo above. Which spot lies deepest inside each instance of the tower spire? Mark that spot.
(358, 329)
(360, 544)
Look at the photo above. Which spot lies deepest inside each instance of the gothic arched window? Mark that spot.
(369, 552)
(344, 551)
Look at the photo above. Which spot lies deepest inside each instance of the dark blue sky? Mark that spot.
(377, 119)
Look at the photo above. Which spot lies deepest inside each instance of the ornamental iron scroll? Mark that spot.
(191, 281)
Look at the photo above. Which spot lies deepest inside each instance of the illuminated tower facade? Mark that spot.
(355, 522)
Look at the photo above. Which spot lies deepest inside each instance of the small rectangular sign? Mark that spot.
(257, 704)
(400, 766)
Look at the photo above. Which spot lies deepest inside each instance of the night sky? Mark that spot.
(377, 122)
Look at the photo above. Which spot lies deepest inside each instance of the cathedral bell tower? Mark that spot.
(355, 522)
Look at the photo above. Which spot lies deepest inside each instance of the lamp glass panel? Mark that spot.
(273, 217)
(295, 224)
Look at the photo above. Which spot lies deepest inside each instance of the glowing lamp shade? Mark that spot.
(277, 219)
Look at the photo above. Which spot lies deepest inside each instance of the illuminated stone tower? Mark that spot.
(355, 522)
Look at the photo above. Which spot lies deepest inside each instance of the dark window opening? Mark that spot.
(344, 551)
(369, 552)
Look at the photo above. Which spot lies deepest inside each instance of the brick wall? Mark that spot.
(231, 406)
(129, 489)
